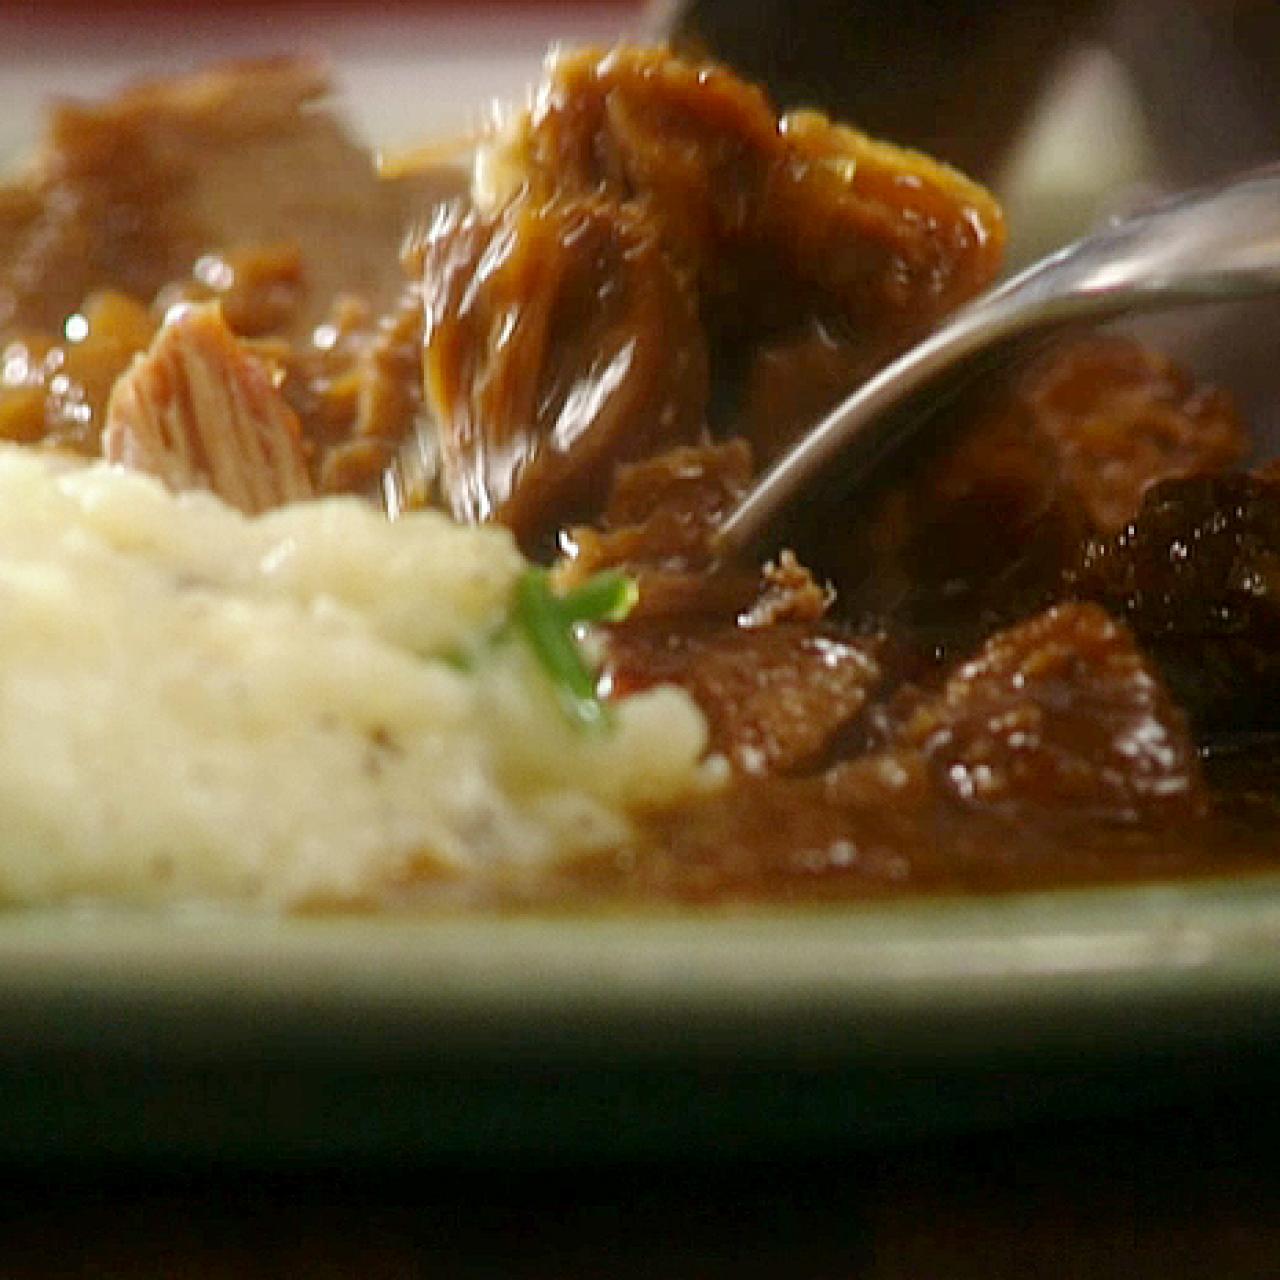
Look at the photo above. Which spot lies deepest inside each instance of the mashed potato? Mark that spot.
(196, 704)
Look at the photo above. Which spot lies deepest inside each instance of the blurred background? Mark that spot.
(408, 68)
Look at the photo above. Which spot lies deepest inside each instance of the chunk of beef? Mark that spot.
(1055, 754)
(1122, 417)
(656, 528)
(983, 530)
(775, 696)
(753, 234)
(129, 194)
(559, 342)
(1060, 716)
(199, 412)
(1197, 576)
(887, 235)
(963, 541)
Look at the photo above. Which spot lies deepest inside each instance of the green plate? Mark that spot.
(470, 1038)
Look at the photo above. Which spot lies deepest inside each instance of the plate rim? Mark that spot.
(1095, 971)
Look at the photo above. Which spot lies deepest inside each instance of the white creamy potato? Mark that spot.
(198, 704)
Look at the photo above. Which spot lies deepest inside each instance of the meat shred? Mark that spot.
(560, 342)
(198, 412)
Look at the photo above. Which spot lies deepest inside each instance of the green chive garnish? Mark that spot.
(608, 597)
(547, 622)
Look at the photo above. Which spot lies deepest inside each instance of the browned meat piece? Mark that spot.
(656, 527)
(887, 235)
(559, 342)
(130, 193)
(794, 380)
(200, 413)
(356, 387)
(236, 185)
(1122, 417)
(984, 530)
(1060, 716)
(1054, 756)
(789, 593)
(775, 697)
(661, 511)
(961, 542)
(1197, 576)
(646, 204)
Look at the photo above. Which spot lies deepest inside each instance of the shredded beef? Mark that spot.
(199, 412)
